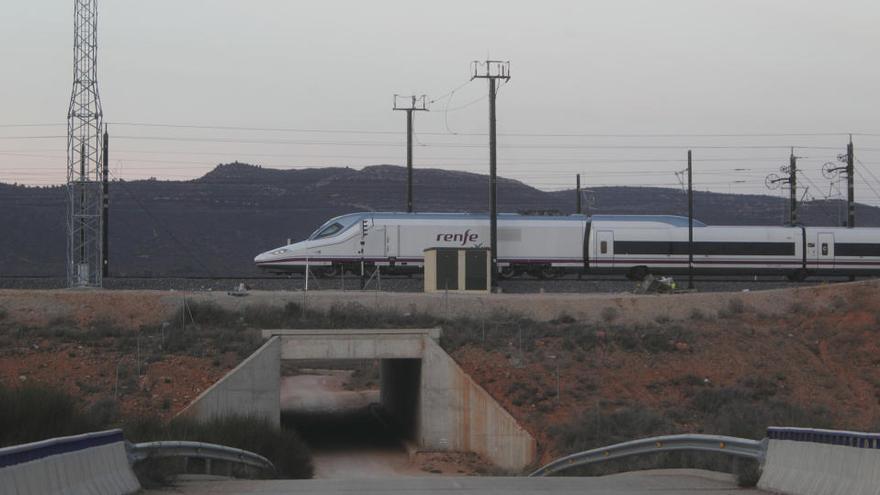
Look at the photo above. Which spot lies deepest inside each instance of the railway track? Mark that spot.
(568, 284)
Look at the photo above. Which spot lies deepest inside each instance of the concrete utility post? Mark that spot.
(105, 220)
(690, 221)
(492, 70)
(410, 104)
(792, 188)
(850, 185)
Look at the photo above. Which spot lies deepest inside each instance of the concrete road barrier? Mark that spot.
(93, 463)
(807, 461)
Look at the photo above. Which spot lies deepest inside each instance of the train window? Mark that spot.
(332, 229)
(603, 247)
(824, 249)
(707, 248)
(856, 249)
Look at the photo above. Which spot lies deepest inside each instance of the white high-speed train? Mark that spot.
(549, 246)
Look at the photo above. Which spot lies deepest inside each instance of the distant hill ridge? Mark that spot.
(214, 225)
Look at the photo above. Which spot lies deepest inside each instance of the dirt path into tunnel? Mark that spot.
(348, 435)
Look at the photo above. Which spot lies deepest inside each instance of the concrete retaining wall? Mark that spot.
(821, 462)
(457, 414)
(94, 463)
(251, 389)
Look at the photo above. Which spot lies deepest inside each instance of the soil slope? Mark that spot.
(634, 366)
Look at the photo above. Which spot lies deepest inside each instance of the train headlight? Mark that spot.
(278, 252)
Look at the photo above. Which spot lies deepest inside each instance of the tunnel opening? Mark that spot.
(357, 416)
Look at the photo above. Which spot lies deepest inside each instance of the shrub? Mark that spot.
(798, 308)
(625, 337)
(595, 428)
(104, 412)
(206, 313)
(609, 314)
(735, 306)
(564, 318)
(284, 448)
(748, 473)
(32, 412)
(746, 413)
(656, 342)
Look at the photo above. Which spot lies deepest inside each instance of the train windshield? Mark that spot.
(329, 230)
(335, 226)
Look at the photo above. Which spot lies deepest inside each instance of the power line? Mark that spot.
(159, 223)
(12, 138)
(448, 94)
(464, 146)
(57, 124)
(451, 92)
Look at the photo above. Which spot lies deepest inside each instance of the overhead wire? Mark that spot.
(158, 223)
(449, 94)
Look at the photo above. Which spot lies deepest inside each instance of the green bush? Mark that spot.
(595, 428)
(30, 413)
(697, 315)
(284, 448)
(734, 307)
(609, 314)
(746, 412)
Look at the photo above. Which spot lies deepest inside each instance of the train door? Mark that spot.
(392, 241)
(374, 242)
(825, 251)
(604, 254)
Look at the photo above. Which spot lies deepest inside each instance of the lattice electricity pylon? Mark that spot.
(84, 188)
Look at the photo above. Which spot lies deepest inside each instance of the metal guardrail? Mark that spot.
(18, 454)
(738, 447)
(138, 452)
(832, 437)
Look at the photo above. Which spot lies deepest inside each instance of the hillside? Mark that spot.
(719, 364)
(214, 225)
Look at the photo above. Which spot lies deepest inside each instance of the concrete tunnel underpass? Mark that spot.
(425, 402)
(357, 416)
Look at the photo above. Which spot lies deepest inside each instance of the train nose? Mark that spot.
(273, 255)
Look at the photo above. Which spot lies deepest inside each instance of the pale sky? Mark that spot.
(601, 74)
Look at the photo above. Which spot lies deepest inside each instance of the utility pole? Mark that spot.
(84, 183)
(792, 188)
(850, 185)
(105, 217)
(774, 181)
(410, 104)
(579, 209)
(492, 70)
(690, 221)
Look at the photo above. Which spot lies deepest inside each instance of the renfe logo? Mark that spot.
(468, 236)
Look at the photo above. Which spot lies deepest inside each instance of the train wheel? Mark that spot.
(327, 271)
(507, 272)
(548, 273)
(798, 276)
(637, 273)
